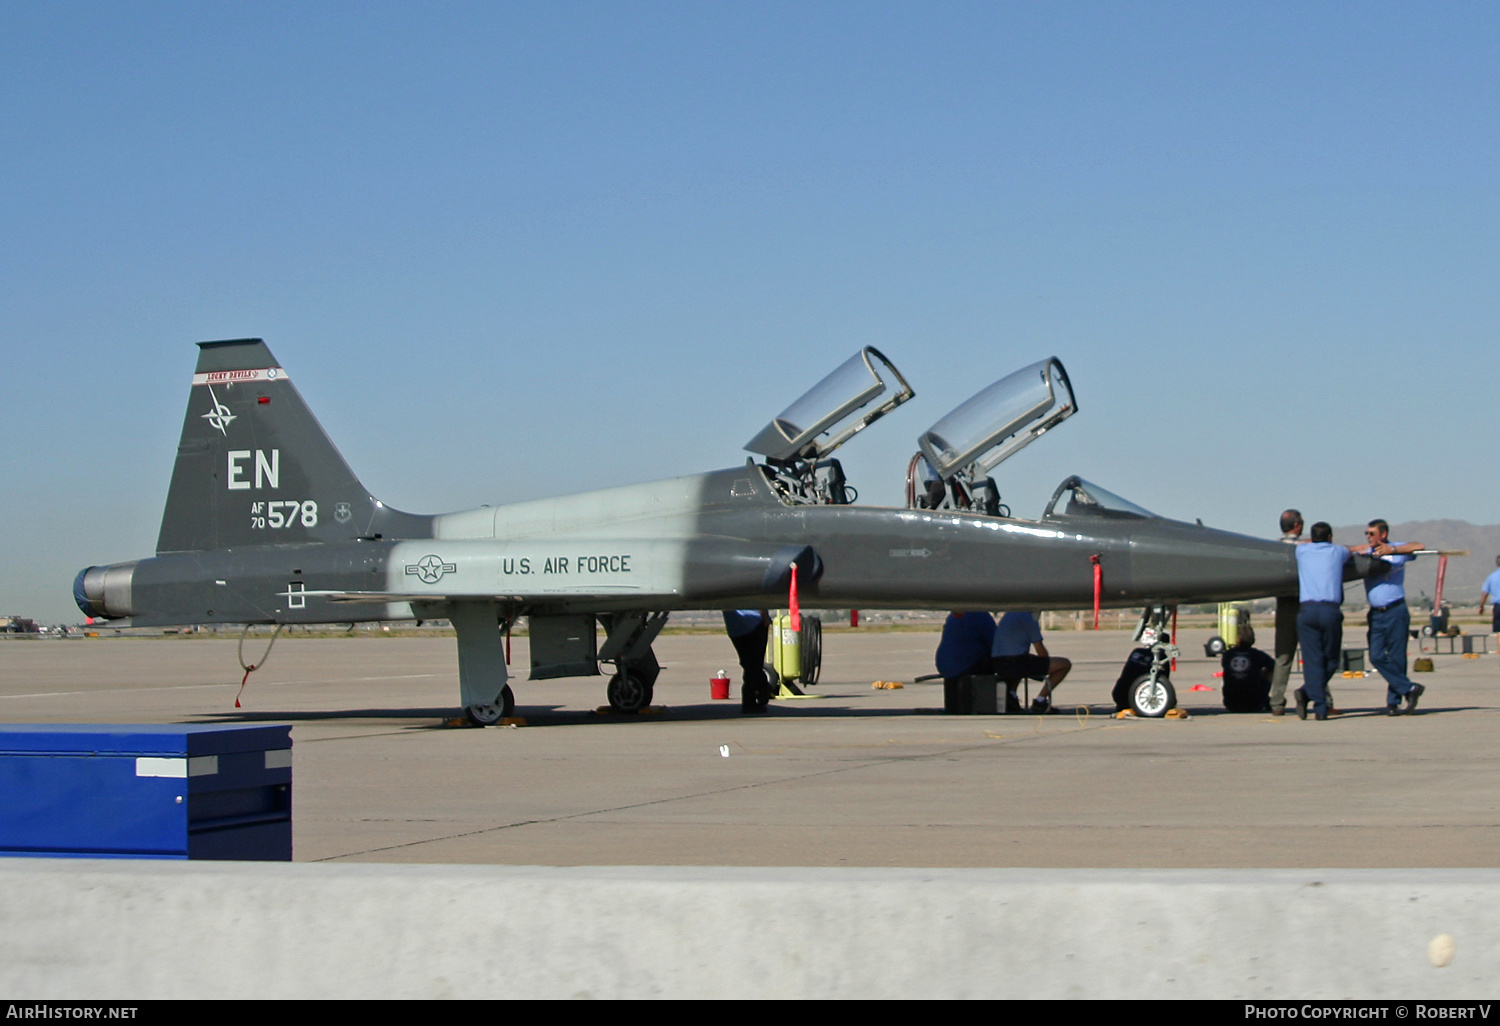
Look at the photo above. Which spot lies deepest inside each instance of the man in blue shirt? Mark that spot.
(1390, 620)
(963, 652)
(1320, 624)
(967, 640)
(1491, 593)
(1016, 634)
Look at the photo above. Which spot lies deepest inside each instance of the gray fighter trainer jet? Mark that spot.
(265, 523)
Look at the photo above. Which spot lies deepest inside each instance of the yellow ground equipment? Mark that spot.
(796, 655)
(1232, 616)
(786, 647)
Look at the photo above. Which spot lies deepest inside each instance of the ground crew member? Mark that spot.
(1491, 593)
(1320, 624)
(1247, 675)
(1286, 623)
(749, 630)
(1390, 620)
(1015, 635)
(964, 651)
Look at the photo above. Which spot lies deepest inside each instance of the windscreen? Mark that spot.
(1076, 497)
(1003, 417)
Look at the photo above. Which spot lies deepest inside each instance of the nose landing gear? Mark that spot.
(1152, 694)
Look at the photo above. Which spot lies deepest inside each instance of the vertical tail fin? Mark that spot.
(254, 466)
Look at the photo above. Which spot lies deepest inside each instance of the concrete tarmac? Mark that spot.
(857, 777)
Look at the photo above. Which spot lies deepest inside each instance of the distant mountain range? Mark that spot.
(1466, 574)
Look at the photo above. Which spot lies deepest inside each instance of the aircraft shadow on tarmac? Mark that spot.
(314, 715)
(1343, 714)
(558, 716)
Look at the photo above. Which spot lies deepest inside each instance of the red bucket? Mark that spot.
(718, 686)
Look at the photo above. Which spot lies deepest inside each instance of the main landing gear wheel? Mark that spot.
(492, 713)
(628, 692)
(1152, 698)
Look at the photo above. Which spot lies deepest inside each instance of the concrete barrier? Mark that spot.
(140, 930)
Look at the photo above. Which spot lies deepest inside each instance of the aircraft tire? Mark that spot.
(1215, 647)
(628, 692)
(1152, 699)
(492, 713)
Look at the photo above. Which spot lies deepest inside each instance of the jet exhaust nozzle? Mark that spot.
(104, 591)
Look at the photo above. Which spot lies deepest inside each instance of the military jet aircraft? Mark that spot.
(265, 523)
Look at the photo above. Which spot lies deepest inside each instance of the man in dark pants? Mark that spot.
(1320, 624)
(749, 630)
(1390, 620)
(1286, 622)
(1491, 594)
(964, 651)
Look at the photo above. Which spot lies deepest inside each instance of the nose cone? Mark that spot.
(1177, 562)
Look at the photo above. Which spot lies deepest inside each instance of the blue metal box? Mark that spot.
(146, 791)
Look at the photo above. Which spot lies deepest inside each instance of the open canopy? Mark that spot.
(806, 429)
(1076, 497)
(1000, 420)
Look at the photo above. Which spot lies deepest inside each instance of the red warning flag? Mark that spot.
(1098, 587)
(793, 606)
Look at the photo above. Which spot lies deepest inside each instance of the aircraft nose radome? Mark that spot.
(1190, 563)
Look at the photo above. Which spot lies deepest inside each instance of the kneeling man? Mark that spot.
(1247, 675)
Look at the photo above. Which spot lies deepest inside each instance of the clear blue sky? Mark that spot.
(509, 250)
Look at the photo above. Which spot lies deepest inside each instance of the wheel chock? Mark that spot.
(1177, 714)
(1421, 666)
(460, 722)
(888, 685)
(1126, 714)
